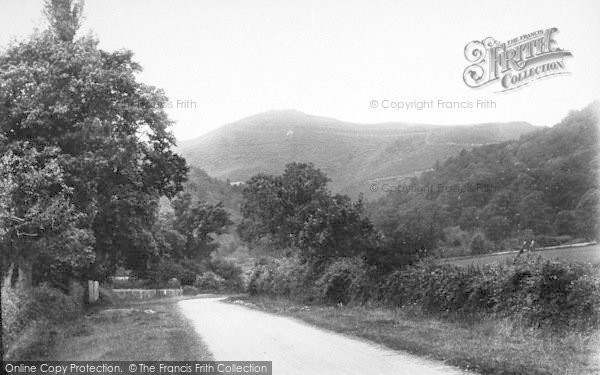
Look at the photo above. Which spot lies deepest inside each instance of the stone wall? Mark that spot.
(141, 294)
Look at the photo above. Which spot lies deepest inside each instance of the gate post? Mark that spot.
(93, 291)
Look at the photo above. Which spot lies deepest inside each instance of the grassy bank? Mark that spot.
(487, 347)
(33, 319)
(148, 330)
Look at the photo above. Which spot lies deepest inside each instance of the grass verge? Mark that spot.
(144, 331)
(488, 347)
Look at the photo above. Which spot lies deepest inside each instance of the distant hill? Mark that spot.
(211, 190)
(351, 154)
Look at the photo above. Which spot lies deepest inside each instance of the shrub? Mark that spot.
(541, 292)
(343, 281)
(190, 290)
(255, 286)
(166, 269)
(479, 245)
(455, 237)
(401, 288)
(107, 296)
(286, 277)
(291, 278)
(29, 316)
(76, 291)
(33, 341)
(173, 283)
(583, 302)
(10, 316)
(51, 304)
(566, 222)
(566, 295)
(538, 292)
(228, 270)
(261, 279)
(210, 282)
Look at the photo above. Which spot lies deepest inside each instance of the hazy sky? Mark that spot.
(332, 58)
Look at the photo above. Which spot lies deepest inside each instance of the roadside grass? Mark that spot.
(498, 346)
(37, 341)
(130, 331)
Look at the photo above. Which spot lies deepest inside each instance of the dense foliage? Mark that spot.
(38, 219)
(541, 186)
(211, 190)
(197, 222)
(31, 320)
(86, 152)
(296, 210)
(538, 292)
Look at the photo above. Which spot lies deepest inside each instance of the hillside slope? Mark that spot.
(350, 154)
(543, 184)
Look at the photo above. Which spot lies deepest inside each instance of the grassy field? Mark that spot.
(149, 330)
(589, 254)
(489, 347)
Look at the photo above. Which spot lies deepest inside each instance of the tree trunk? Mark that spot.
(25, 275)
(7, 279)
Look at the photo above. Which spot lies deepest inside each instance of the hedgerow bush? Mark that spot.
(173, 283)
(10, 316)
(190, 290)
(286, 277)
(210, 282)
(230, 272)
(343, 281)
(456, 237)
(583, 302)
(401, 288)
(565, 295)
(544, 293)
(539, 292)
(479, 244)
(167, 269)
(28, 316)
(216, 275)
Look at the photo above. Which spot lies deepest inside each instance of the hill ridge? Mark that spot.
(350, 153)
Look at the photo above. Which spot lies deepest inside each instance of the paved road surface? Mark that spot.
(237, 333)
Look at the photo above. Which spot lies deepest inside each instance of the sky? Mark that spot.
(221, 60)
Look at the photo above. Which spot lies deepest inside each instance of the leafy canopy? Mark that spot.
(108, 132)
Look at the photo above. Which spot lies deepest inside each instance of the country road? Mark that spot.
(233, 332)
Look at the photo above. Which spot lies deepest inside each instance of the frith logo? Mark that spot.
(515, 63)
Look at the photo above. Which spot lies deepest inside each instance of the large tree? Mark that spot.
(110, 131)
(295, 209)
(37, 218)
(198, 222)
(411, 230)
(278, 206)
